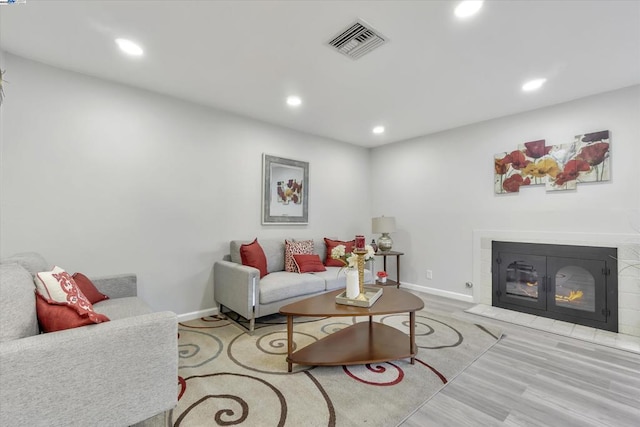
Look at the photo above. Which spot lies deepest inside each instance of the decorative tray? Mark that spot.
(371, 295)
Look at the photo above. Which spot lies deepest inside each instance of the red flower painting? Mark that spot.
(558, 167)
(536, 149)
(500, 166)
(595, 136)
(594, 154)
(571, 171)
(517, 159)
(514, 182)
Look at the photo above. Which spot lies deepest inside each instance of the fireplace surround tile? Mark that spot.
(605, 337)
(562, 328)
(628, 344)
(585, 333)
(524, 319)
(542, 322)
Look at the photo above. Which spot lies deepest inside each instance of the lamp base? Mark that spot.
(385, 242)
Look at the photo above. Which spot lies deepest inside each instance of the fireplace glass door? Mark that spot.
(574, 287)
(524, 279)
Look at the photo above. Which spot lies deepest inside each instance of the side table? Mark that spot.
(384, 256)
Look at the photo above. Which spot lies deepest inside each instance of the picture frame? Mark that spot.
(285, 191)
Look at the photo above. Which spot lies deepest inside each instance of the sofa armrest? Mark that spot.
(117, 286)
(114, 373)
(236, 286)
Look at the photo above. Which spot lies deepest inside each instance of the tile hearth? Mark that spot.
(598, 336)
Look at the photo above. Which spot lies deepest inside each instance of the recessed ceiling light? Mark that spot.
(294, 101)
(129, 47)
(533, 85)
(378, 130)
(468, 8)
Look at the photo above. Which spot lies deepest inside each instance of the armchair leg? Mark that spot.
(220, 312)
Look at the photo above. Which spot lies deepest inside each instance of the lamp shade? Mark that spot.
(383, 224)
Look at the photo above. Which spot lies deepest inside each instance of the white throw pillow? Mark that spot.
(59, 286)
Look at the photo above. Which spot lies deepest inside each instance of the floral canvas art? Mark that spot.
(558, 167)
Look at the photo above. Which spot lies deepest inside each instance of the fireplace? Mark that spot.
(577, 284)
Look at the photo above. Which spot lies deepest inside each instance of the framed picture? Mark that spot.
(285, 191)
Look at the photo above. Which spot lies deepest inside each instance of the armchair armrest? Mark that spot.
(236, 286)
(114, 373)
(117, 286)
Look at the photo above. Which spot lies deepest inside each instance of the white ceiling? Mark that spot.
(436, 72)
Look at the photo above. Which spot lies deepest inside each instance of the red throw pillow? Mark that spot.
(308, 263)
(330, 262)
(88, 288)
(58, 286)
(56, 316)
(252, 255)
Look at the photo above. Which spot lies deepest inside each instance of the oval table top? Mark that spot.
(391, 301)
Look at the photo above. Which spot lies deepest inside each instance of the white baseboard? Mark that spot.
(433, 291)
(438, 292)
(197, 314)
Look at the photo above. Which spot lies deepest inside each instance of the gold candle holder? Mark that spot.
(361, 253)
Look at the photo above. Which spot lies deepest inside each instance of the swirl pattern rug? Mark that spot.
(228, 378)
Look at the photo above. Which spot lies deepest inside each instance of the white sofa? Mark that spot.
(240, 288)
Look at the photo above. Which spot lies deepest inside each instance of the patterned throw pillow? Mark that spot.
(58, 287)
(303, 247)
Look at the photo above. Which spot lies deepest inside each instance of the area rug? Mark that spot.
(227, 377)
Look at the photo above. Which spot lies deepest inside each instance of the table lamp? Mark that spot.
(384, 225)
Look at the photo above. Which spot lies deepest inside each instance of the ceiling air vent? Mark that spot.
(357, 40)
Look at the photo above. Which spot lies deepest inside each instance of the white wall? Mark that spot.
(102, 178)
(440, 187)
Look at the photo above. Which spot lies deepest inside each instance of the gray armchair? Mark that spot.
(115, 373)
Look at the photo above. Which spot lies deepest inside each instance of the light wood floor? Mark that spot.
(535, 378)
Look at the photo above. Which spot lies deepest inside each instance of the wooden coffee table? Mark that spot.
(363, 342)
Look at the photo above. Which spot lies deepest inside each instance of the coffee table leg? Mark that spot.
(412, 335)
(289, 342)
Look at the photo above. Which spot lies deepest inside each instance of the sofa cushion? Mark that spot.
(88, 288)
(282, 285)
(335, 277)
(252, 255)
(18, 304)
(121, 308)
(291, 248)
(57, 316)
(308, 263)
(332, 244)
(33, 262)
(273, 251)
(320, 248)
(234, 250)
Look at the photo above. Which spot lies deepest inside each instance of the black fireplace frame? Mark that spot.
(606, 305)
